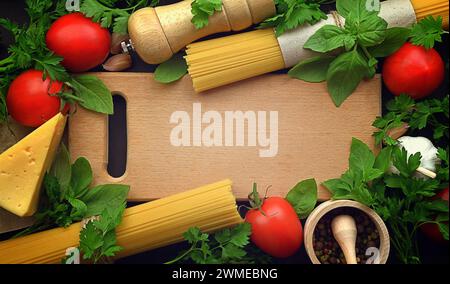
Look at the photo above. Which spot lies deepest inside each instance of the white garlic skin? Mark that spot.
(426, 148)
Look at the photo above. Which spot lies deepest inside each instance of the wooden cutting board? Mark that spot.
(314, 136)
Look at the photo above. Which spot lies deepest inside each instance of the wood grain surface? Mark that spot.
(314, 136)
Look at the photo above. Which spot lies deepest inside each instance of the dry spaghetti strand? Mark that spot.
(425, 8)
(222, 61)
(144, 227)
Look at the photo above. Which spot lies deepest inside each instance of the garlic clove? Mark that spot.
(427, 150)
(118, 62)
(116, 40)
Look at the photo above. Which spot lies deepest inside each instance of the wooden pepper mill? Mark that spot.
(158, 33)
(345, 232)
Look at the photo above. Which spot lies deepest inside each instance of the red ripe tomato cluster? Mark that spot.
(83, 45)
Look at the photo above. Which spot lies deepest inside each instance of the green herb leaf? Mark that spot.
(103, 196)
(172, 70)
(371, 31)
(303, 197)
(292, 14)
(93, 92)
(79, 208)
(427, 32)
(344, 75)
(383, 160)
(329, 38)
(90, 240)
(312, 70)
(226, 246)
(61, 167)
(394, 39)
(81, 176)
(201, 11)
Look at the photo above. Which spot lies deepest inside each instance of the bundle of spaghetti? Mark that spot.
(424, 8)
(144, 227)
(226, 60)
(219, 62)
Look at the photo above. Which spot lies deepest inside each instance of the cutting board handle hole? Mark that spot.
(117, 138)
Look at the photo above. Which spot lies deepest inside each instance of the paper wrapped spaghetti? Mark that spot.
(230, 59)
(144, 227)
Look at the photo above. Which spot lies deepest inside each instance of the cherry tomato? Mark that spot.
(29, 99)
(432, 230)
(276, 228)
(413, 70)
(82, 43)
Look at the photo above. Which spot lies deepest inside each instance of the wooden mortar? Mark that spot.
(328, 206)
(158, 33)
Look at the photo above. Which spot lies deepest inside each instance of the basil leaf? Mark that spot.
(81, 176)
(313, 70)
(61, 168)
(172, 70)
(303, 197)
(329, 38)
(383, 160)
(394, 39)
(361, 157)
(371, 31)
(93, 92)
(356, 10)
(345, 74)
(79, 208)
(103, 196)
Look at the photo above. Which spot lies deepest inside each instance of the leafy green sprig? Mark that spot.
(402, 200)
(225, 246)
(364, 37)
(201, 11)
(29, 50)
(294, 13)
(68, 198)
(403, 110)
(108, 13)
(427, 32)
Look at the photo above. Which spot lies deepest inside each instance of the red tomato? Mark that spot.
(414, 71)
(432, 230)
(82, 43)
(278, 230)
(29, 101)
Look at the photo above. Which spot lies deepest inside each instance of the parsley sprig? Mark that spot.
(403, 110)
(108, 13)
(294, 13)
(98, 237)
(427, 32)
(69, 198)
(230, 245)
(29, 50)
(201, 11)
(402, 199)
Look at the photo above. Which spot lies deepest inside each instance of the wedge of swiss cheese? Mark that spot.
(23, 166)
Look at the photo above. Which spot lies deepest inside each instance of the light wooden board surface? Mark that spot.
(314, 136)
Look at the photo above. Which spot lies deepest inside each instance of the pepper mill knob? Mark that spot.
(345, 232)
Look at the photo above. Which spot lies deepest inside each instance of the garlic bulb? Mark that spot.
(426, 148)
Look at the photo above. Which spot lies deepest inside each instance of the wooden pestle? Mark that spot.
(344, 231)
(158, 33)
